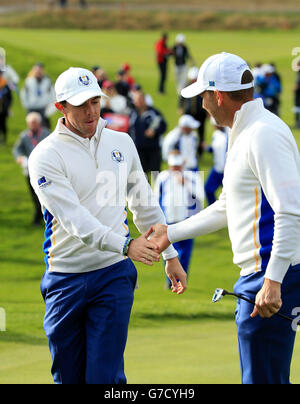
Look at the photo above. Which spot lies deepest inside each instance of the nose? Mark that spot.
(90, 110)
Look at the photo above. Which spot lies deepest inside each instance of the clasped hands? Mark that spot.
(147, 249)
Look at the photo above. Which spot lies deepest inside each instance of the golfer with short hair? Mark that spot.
(84, 175)
(260, 204)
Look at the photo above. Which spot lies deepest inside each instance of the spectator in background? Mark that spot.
(276, 73)
(121, 84)
(258, 76)
(115, 108)
(269, 88)
(126, 68)
(27, 141)
(114, 103)
(218, 148)
(100, 75)
(182, 56)
(147, 125)
(193, 107)
(12, 78)
(5, 103)
(148, 97)
(162, 54)
(183, 138)
(180, 195)
(297, 98)
(257, 70)
(37, 95)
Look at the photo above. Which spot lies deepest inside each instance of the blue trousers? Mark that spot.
(214, 181)
(86, 322)
(266, 345)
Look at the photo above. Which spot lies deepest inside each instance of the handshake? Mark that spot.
(147, 249)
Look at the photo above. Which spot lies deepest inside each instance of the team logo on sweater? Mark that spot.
(116, 155)
(43, 183)
(84, 80)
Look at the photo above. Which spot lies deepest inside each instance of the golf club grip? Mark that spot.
(278, 314)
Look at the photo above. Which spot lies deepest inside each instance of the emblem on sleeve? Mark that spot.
(43, 183)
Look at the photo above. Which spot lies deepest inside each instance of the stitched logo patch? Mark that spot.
(116, 155)
(84, 80)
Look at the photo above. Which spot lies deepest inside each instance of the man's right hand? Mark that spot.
(143, 250)
(160, 236)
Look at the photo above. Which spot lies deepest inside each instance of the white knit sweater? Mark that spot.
(260, 201)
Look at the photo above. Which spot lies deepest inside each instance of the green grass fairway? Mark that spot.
(172, 339)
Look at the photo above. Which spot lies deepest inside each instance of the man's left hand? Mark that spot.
(177, 275)
(268, 300)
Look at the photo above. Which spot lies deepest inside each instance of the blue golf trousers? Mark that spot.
(86, 322)
(214, 181)
(184, 249)
(266, 345)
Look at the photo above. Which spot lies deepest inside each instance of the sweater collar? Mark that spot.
(244, 117)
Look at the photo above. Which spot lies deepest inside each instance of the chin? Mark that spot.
(90, 130)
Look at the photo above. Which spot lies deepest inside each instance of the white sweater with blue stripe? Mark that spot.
(84, 188)
(260, 201)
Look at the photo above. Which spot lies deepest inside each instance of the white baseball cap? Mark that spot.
(180, 38)
(187, 121)
(175, 160)
(268, 69)
(193, 73)
(222, 72)
(77, 85)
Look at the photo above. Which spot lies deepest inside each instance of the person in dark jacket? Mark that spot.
(193, 107)
(181, 55)
(5, 103)
(147, 125)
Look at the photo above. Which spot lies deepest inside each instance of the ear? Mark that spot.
(219, 97)
(59, 107)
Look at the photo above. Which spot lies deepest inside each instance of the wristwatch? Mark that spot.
(126, 245)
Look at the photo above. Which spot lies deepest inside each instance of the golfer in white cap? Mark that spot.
(183, 138)
(260, 204)
(84, 176)
(180, 194)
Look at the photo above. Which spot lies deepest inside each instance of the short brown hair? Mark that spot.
(243, 95)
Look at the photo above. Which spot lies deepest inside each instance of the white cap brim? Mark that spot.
(175, 160)
(196, 125)
(192, 90)
(192, 125)
(83, 96)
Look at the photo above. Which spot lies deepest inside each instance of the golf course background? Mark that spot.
(172, 339)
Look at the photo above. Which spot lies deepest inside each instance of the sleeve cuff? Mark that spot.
(277, 268)
(169, 253)
(171, 232)
(113, 242)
